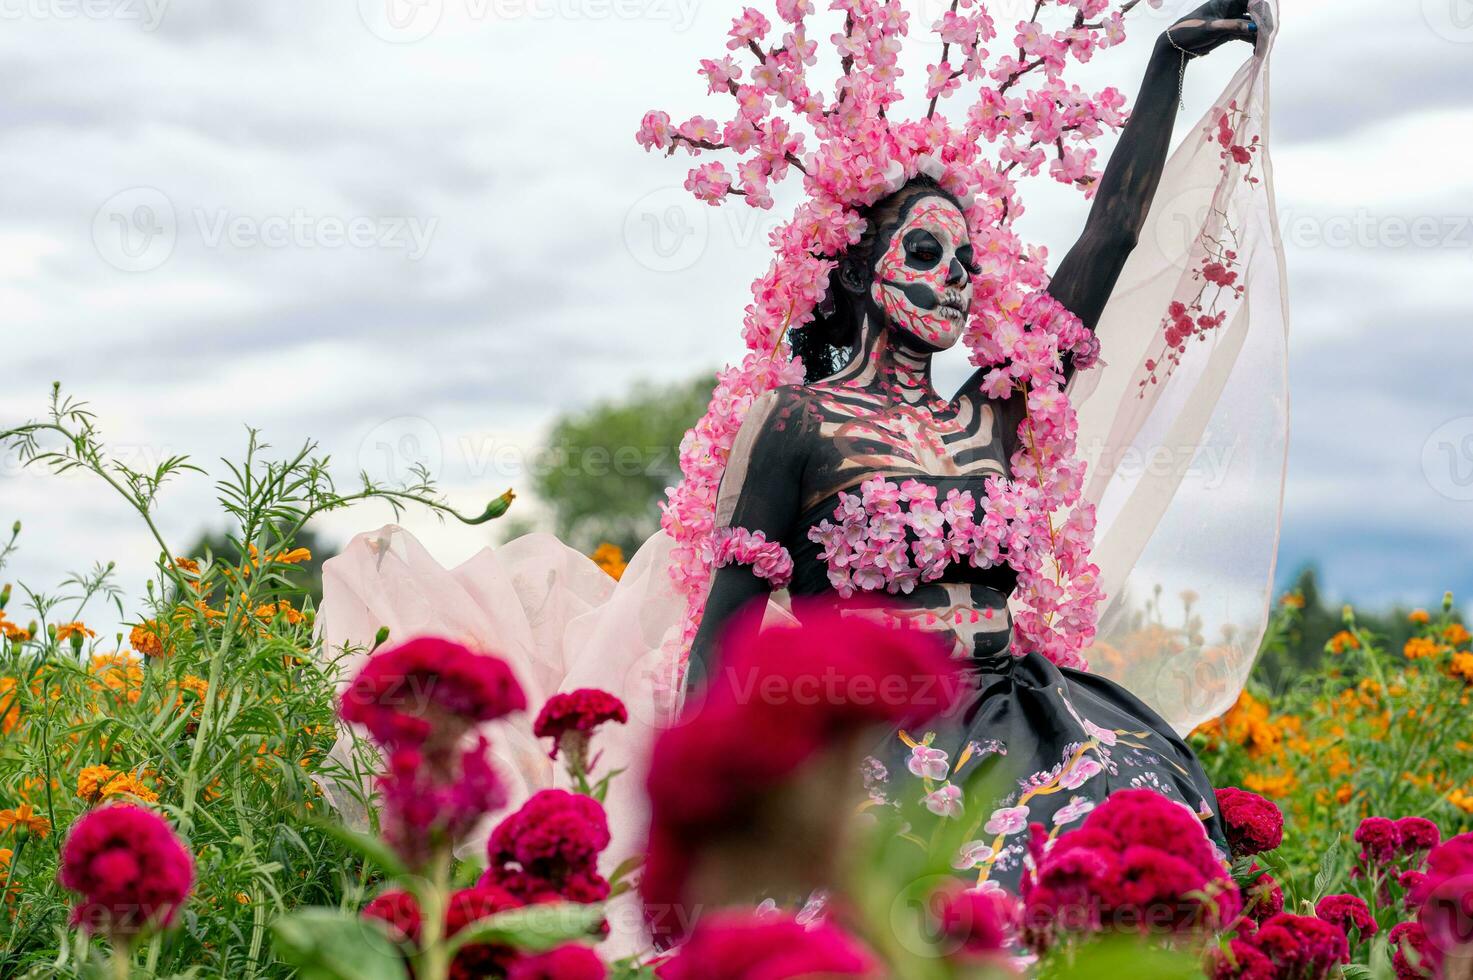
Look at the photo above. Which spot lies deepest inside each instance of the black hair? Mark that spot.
(828, 342)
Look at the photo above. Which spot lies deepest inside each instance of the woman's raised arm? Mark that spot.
(1087, 275)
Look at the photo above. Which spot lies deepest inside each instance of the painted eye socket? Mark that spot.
(968, 259)
(922, 250)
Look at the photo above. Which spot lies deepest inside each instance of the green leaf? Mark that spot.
(535, 928)
(326, 944)
(1122, 956)
(371, 849)
(1329, 870)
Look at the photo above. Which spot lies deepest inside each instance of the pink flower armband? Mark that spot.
(768, 559)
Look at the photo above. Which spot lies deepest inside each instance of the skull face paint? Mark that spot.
(923, 282)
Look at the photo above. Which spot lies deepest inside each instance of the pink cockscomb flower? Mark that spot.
(783, 697)
(571, 718)
(743, 945)
(131, 871)
(1411, 952)
(1380, 840)
(549, 849)
(1444, 900)
(564, 963)
(428, 809)
(427, 693)
(1241, 960)
(1348, 912)
(1302, 946)
(976, 924)
(1252, 824)
(476, 960)
(1418, 835)
(1262, 898)
(398, 912)
(1136, 856)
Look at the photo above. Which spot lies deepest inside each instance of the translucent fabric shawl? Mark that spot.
(1187, 471)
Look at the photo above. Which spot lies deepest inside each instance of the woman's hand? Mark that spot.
(1212, 25)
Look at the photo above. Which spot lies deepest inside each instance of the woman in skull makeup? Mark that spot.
(868, 410)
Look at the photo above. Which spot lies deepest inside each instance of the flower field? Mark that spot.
(176, 801)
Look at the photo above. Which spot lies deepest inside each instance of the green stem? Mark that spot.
(120, 964)
(432, 961)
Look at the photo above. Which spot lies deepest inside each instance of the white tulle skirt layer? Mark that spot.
(559, 620)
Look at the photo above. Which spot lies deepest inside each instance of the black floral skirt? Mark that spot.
(1035, 743)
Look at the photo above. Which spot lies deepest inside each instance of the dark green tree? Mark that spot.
(606, 468)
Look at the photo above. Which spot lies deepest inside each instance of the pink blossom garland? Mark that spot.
(1034, 122)
(768, 559)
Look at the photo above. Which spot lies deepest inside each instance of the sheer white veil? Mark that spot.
(1187, 454)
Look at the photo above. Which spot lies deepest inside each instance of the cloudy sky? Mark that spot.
(417, 231)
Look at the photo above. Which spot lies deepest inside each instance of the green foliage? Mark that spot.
(227, 727)
(607, 468)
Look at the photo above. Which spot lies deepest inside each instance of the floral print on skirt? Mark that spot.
(1059, 739)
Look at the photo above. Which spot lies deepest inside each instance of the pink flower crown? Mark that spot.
(852, 149)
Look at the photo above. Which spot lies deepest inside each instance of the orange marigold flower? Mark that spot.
(1279, 785)
(1344, 794)
(66, 631)
(1342, 641)
(1463, 801)
(1292, 600)
(1456, 634)
(148, 638)
(610, 557)
(187, 565)
(269, 611)
(127, 784)
(1462, 666)
(14, 633)
(9, 705)
(24, 818)
(1419, 647)
(91, 780)
(118, 672)
(293, 557)
(1419, 616)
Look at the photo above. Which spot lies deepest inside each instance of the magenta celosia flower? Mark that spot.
(563, 963)
(1242, 961)
(1348, 912)
(469, 905)
(1418, 834)
(1380, 840)
(1252, 824)
(1263, 898)
(399, 913)
(427, 809)
(782, 696)
(571, 718)
(129, 868)
(549, 849)
(1302, 946)
(1444, 899)
(1138, 861)
(1411, 952)
(427, 693)
(976, 923)
(742, 945)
